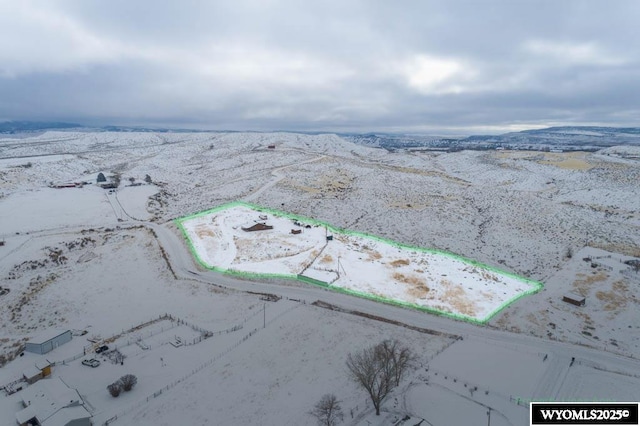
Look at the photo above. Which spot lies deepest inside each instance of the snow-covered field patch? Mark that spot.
(244, 239)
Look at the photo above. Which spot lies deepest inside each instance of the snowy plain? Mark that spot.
(340, 260)
(106, 263)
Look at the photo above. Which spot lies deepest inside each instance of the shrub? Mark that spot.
(128, 381)
(114, 389)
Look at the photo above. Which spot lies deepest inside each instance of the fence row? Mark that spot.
(201, 367)
(183, 378)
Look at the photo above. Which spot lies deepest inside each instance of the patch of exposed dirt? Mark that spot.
(633, 251)
(399, 262)
(373, 255)
(615, 299)
(584, 283)
(456, 296)
(415, 280)
(204, 231)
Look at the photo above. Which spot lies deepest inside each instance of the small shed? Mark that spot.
(32, 375)
(271, 147)
(296, 231)
(40, 370)
(45, 367)
(329, 237)
(574, 299)
(48, 341)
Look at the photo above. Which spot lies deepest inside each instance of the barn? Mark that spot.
(48, 341)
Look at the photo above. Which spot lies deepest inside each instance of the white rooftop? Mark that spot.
(30, 372)
(46, 336)
(67, 415)
(45, 398)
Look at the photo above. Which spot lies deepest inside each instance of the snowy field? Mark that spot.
(439, 282)
(107, 263)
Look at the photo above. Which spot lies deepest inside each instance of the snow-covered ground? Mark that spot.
(443, 283)
(107, 263)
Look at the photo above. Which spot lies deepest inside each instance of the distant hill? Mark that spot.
(567, 137)
(32, 126)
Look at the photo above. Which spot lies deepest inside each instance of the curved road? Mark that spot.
(184, 267)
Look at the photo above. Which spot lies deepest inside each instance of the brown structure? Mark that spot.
(296, 231)
(67, 185)
(257, 227)
(574, 299)
(40, 370)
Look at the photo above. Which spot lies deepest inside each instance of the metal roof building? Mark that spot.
(48, 341)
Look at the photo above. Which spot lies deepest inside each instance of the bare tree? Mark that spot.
(128, 381)
(115, 389)
(147, 178)
(379, 369)
(328, 411)
(400, 358)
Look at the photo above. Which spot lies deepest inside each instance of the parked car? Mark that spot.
(93, 363)
(102, 348)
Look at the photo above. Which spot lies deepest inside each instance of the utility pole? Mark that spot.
(264, 315)
(489, 417)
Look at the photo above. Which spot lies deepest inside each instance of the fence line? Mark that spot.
(183, 378)
(200, 367)
(469, 386)
(175, 322)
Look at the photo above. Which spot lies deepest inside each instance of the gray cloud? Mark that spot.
(332, 65)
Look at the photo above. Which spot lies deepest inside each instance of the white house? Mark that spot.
(51, 402)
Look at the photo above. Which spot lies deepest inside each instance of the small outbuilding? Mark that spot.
(32, 375)
(48, 341)
(45, 367)
(40, 370)
(574, 299)
(296, 231)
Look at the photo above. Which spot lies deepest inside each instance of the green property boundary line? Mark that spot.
(535, 285)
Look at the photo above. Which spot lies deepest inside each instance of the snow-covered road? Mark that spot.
(185, 267)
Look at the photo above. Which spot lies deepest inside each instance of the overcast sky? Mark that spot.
(345, 65)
